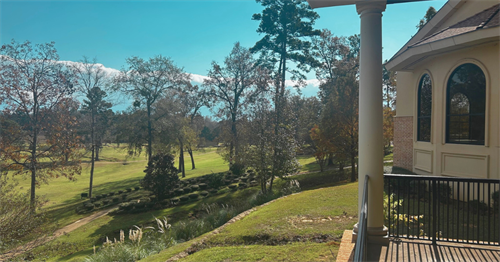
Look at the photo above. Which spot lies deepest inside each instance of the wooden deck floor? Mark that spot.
(416, 251)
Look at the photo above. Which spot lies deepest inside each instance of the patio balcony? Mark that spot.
(434, 219)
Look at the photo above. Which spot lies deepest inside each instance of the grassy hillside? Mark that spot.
(301, 227)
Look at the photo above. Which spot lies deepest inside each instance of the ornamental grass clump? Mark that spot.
(141, 244)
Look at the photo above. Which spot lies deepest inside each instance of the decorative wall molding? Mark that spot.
(423, 160)
(464, 165)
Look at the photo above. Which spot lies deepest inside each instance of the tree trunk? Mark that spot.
(150, 132)
(353, 167)
(97, 146)
(181, 159)
(190, 151)
(234, 143)
(33, 153)
(92, 160)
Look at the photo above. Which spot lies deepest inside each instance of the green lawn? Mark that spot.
(308, 163)
(289, 252)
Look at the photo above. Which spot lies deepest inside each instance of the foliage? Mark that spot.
(339, 91)
(274, 151)
(215, 180)
(286, 25)
(388, 126)
(161, 175)
(237, 168)
(32, 85)
(431, 12)
(322, 145)
(16, 219)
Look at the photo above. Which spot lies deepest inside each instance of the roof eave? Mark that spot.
(431, 27)
(413, 56)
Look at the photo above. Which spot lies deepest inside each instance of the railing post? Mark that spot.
(434, 207)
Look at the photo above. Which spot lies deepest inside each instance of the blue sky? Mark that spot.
(192, 33)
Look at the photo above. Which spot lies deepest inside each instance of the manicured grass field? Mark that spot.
(117, 171)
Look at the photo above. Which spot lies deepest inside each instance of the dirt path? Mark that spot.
(37, 242)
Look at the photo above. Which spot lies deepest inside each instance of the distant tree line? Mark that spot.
(52, 113)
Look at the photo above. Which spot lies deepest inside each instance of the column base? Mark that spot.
(376, 235)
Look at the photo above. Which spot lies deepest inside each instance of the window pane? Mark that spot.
(465, 105)
(424, 109)
(424, 129)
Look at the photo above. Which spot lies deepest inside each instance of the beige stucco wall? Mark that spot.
(437, 157)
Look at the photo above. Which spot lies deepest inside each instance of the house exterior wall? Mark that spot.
(438, 157)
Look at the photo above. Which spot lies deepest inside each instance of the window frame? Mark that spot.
(447, 106)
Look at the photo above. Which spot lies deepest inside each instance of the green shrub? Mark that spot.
(242, 185)
(193, 196)
(175, 201)
(105, 201)
(237, 168)
(496, 200)
(136, 188)
(116, 199)
(161, 175)
(89, 206)
(97, 204)
(120, 191)
(111, 194)
(215, 180)
(124, 196)
(204, 193)
(128, 189)
(227, 182)
(93, 199)
(184, 198)
(195, 187)
(236, 180)
(125, 206)
(444, 192)
(187, 190)
(179, 192)
(203, 186)
(140, 205)
(477, 206)
(418, 188)
(233, 187)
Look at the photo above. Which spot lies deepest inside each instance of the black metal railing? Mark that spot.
(360, 251)
(463, 210)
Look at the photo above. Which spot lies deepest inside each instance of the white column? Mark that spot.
(371, 113)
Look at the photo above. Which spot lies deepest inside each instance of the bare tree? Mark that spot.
(233, 86)
(146, 81)
(33, 83)
(92, 79)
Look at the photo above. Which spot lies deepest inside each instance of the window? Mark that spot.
(424, 109)
(466, 105)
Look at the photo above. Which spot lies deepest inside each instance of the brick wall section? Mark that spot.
(403, 142)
